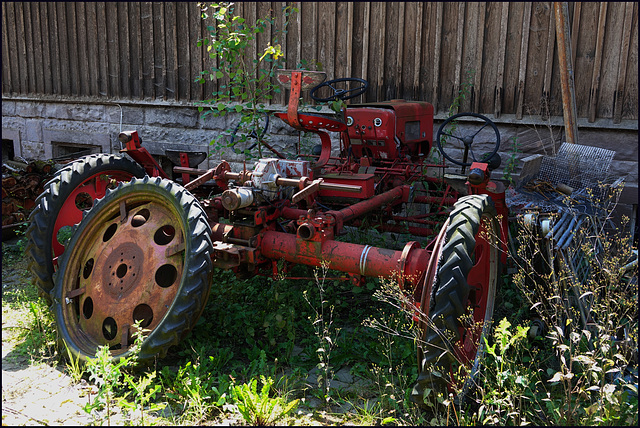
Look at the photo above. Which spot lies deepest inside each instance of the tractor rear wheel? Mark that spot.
(141, 254)
(461, 305)
(71, 191)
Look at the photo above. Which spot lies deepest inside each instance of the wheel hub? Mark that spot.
(121, 270)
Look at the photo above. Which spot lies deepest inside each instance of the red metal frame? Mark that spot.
(294, 210)
(95, 187)
(382, 158)
(133, 147)
(397, 134)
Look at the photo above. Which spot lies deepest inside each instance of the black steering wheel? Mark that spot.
(342, 94)
(455, 141)
(252, 134)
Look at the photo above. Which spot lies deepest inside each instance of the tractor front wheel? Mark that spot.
(462, 300)
(141, 254)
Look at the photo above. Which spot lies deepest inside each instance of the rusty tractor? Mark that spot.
(146, 249)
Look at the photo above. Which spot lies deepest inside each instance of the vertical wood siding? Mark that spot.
(505, 53)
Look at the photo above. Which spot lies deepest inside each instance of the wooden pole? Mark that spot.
(566, 71)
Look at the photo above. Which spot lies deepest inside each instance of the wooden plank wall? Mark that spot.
(503, 52)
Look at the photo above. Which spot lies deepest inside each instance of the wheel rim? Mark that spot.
(126, 267)
(92, 188)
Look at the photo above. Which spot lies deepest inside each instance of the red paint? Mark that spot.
(345, 257)
(141, 155)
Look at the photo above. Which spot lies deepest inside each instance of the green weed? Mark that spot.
(583, 371)
(196, 389)
(257, 407)
(512, 163)
(144, 390)
(75, 369)
(322, 322)
(28, 324)
(106, 374)
(112, 379)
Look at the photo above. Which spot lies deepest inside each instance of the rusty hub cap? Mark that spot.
(126, 268)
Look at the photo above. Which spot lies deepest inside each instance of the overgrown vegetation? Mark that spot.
(26, 319)
(565, 339)
(255, 350)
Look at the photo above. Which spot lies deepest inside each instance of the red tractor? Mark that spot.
(146, 249)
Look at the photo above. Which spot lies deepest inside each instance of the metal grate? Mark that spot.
(579, 167)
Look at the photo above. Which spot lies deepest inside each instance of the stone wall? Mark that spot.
(35, 127)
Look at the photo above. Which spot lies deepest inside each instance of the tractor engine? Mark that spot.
(389, 130)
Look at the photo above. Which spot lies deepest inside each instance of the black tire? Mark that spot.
(45, 220)
(101, 289)
(443, 347)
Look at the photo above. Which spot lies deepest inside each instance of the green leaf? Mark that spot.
(219, 74)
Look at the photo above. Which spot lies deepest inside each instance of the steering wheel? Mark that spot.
(452, 140)
(252, 134)
(342, 94)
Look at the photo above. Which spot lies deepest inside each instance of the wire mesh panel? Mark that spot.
(579, 167)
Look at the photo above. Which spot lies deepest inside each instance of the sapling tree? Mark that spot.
(244, 72)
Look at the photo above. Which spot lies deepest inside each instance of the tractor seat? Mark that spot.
(195, 158)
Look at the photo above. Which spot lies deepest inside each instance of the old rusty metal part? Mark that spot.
(292, 109)
(81, 198)
(307, 191)
(481, 278)
(184, 161)
(423, 298)
(129, 264)
(313, 249)
(308, 79)
(206, 176)
(367, 205)
(133, 147)
(351, 258)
